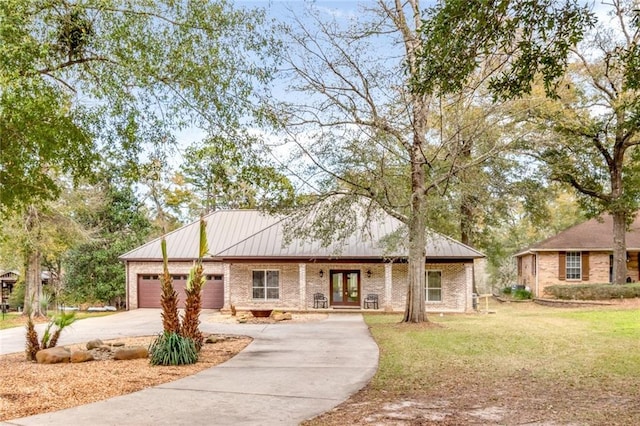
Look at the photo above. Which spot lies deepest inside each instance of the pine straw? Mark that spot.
(28, 388)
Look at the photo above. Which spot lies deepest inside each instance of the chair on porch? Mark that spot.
(371, 301)
(320, 301)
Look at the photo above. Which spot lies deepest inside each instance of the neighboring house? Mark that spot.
(8, 280)
(252, 266)
(582, 254)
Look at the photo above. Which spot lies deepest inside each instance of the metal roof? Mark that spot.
(250, 234)
(594, 235)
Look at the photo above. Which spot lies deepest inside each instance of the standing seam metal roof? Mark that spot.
(253, 234)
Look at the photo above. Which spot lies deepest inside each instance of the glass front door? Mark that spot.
(345, 288)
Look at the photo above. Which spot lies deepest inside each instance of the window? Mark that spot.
(434, 286)
(266, 285)
(574, 265)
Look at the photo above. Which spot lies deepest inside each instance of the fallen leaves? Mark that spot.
(28, 388)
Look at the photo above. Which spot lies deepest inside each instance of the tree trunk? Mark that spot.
(33, 284)
(415, 308)
(619, 248)
(466, 199)
(32, 268)
(416, 294)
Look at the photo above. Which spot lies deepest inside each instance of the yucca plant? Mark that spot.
(173, 349)
(60, 321)
(169, 296)
(33, 346)
(193, 304)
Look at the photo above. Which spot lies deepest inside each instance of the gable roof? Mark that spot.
(593, 235)
(250, 234)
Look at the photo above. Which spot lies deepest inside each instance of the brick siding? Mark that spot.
(456, 283)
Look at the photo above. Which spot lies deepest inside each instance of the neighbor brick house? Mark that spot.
(582, 254)
(251, 265)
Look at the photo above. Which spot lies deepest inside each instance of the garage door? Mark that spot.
(149, 291)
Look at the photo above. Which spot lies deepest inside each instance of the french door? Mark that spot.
(345, 288)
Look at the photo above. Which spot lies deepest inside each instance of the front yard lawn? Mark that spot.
(525, 364)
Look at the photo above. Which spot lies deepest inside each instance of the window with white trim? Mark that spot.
(266, 284)
(434, 286)
(574, 265)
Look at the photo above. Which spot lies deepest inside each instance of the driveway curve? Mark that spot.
(289, 373)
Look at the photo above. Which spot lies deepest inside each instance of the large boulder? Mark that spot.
(81, 356)
(133, 352)
(53, 355)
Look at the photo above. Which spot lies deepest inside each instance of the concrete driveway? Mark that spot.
(289, 373)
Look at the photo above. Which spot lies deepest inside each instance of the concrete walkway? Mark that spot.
(289, 373)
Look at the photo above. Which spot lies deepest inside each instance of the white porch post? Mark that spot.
(226, 267)
(388, 294)
(302, 272)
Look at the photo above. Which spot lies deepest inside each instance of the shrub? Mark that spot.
(506, 290)
(522, 294)
(594, 291)
(173, 349)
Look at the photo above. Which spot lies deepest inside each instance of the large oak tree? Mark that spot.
(369, 95)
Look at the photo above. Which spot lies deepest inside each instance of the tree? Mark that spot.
(108, 77)
(228, 173)
(589, 137)
(95, 80)
(119, 223)
(368, 112)
(40, 239)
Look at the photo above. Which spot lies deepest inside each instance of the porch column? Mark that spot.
(302, 273)
(468, 269)
(226, 267)
(388, 294)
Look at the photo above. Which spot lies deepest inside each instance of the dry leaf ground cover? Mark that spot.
(523, 365)
(28, 388)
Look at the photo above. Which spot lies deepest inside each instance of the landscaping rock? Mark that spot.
(53, 355)
(211, 339)
(117, 344)
(92, 344)
(134, 352)
(81, 356)
(282, 317)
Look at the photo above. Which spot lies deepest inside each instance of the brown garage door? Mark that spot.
(149, 291)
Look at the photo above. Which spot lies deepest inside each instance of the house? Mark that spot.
(582, 254)
(252, 265)
(8, 280)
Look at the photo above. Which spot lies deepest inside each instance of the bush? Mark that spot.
(173, 349)
(506, 290)
(522, 294)
(594, 291)
(16, 298)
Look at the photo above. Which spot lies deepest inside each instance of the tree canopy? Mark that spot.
(111, 77)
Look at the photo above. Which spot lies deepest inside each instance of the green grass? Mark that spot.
(574, 346)
(15, 319)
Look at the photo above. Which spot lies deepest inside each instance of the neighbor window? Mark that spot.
(574, 265)
(266, 285)
(434, 286)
